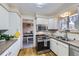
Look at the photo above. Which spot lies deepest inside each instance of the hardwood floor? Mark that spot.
(32, 52)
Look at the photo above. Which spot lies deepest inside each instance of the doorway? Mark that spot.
(27, 33)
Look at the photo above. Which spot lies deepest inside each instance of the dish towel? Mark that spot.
(45, 43)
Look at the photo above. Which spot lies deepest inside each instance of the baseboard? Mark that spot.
(53, 52)
(18, 52)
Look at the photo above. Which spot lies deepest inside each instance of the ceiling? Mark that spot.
(48, 9)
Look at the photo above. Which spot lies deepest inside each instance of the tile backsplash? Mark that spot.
(71, 36)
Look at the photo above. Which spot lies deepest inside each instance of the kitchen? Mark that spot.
(52, 32)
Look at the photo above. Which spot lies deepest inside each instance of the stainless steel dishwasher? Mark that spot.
(74, 51)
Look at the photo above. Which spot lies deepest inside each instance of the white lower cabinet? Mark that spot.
(12, 50)
(59, 48)
(53, 45)
(63, 49)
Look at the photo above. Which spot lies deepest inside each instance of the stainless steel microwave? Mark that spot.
(41, 27)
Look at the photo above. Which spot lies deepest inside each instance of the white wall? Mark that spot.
(72, 36)
(21, 32)
(26, 28)
(27, 17)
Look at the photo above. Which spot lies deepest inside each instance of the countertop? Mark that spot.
(5, 45)
(74, 43)
(70, 42)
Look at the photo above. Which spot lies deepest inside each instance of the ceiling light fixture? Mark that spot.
(40, 5)
(65, 14)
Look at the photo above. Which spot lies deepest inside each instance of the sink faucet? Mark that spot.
(66, 34)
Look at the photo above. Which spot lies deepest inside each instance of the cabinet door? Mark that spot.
(16, 48)
(14, 23)
(51, 44)
(63, 49)
(40, 46)
(4, 18)
(52, 24)
(42, 21)
(59, 48)
(54, 46)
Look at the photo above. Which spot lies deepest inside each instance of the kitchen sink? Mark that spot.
(62, 38)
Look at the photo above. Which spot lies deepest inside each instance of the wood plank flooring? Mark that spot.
(32, 52)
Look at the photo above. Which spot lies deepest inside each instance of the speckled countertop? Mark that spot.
(74, 43)
(71, 42)
(5, 45)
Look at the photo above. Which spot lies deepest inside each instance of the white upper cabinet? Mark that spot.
(4, 18)
(42, 21)
(52, 24)
(14, 23)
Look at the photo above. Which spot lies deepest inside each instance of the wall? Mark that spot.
(27, 28)
(5, 5)
(34, 33)
(72, 36)
(27, 17)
